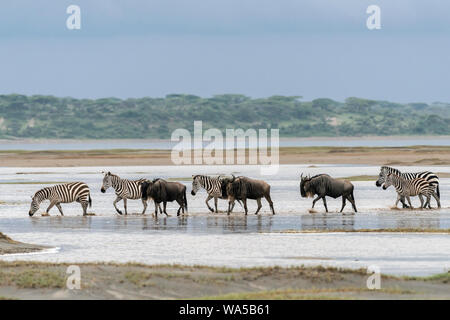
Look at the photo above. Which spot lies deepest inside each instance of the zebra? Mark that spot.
(62, 193)
(431, 177)
(214, 186)
(406, 188)
(125, 189)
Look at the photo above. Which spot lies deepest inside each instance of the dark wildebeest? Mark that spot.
(243, 188)
(324, 185)
(164, 191)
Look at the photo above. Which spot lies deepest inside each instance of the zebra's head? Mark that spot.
(381, 177)
(388, 181)
(107, 182)
(35, 202)
(195, 184)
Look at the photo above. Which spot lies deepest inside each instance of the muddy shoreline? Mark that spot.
(34, 280)
(401, 156)
(10, 246)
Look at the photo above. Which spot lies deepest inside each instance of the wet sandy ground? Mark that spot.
(31, 280)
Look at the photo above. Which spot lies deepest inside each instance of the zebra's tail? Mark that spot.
(438, 192)
(90, 201)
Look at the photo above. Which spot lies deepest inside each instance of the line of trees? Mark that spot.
(52, 117)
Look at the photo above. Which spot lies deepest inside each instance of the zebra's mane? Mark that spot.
(391, 170)
(41, 191)
(205, 176)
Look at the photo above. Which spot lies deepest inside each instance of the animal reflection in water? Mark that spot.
(323, 185)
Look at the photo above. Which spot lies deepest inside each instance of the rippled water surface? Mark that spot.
(235, 240)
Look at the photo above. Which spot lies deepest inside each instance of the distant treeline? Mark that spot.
(51, 117)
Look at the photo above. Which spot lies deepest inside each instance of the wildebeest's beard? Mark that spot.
(308, 190)
(229, 188)
(234, 189)
(302, 188)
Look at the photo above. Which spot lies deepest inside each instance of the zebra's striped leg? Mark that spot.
(84, 205)
(422, 204)
(114, 203)
(58, 205)
(207, 204)
(215, 204)
(409, 201)
(402, 199)
(125, 205)
(50, 206)
(428, 202)
(435, 196)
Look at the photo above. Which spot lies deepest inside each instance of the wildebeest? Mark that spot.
(243, 188)
(323, 185)
(164, 191)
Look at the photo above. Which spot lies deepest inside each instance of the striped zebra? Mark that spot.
(124, 189)
(62, 193)
(431, 177)
(214, 186)
(406, 188)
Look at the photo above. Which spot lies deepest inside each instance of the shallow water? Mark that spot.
(73, 144)
(216, 239)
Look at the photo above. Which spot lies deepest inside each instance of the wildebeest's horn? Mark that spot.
(234, 178)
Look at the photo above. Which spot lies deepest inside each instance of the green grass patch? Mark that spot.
(440, 277)
(33, 279)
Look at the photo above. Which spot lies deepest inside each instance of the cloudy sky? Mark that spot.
(312, 48)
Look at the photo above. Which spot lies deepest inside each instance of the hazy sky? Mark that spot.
(312, 48)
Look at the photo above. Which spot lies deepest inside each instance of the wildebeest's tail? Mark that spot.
(185, 200)
(90, 201)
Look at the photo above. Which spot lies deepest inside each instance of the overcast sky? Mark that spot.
(312, 48)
